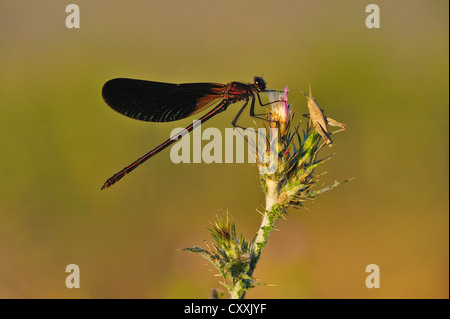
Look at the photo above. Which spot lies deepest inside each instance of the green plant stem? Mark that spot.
(239, 289)
(267, 222)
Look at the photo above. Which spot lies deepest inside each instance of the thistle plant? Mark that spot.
(289, 185)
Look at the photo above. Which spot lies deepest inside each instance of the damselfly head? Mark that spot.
(259, 83)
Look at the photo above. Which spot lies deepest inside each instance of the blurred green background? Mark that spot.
(59, 142)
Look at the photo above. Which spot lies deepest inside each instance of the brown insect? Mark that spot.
(320, 121)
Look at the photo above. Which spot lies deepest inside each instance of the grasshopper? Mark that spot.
(320, 121)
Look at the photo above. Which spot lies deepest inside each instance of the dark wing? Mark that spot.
(160, 102)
